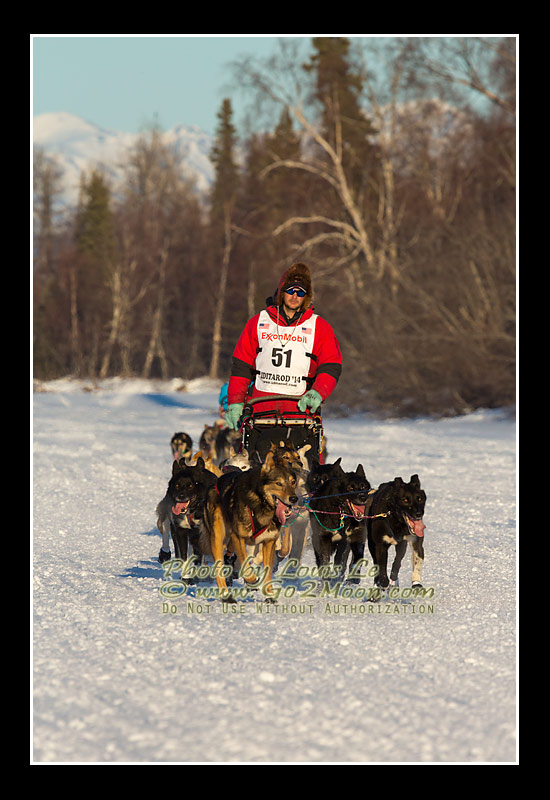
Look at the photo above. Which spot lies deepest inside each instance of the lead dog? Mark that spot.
(338, 517)
(243, 509)
(182, 507)
(397, 510)
(320, 473)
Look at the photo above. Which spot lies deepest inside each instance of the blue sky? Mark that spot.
(126, 82)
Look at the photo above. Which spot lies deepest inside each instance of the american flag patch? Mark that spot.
(264, 325)
(306, 330)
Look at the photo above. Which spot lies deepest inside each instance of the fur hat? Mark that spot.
(297, 275)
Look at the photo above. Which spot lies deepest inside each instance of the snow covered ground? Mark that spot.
(118, 678)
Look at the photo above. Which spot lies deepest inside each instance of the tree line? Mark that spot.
(396, 187)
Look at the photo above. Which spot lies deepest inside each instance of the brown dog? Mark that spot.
(208, 463)
(295, 460)
(285, 454)
(243, 509)
(207, 441)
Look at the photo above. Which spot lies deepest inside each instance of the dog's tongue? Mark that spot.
(179, 508)
(418, 527)
(280, 512)
(358, 511)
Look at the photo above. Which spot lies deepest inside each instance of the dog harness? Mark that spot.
(254, 522)
(256, 529)
(284, 355)
(341, 512)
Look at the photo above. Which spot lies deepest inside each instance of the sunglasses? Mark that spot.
(296, 290)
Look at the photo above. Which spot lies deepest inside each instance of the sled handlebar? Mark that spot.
(247, 409)
(268, 397)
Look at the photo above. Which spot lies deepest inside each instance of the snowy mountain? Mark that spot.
(77, 144)
(429, 127)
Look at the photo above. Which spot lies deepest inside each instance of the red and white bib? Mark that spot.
(283, 362)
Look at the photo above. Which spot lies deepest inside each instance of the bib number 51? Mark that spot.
(277, 356)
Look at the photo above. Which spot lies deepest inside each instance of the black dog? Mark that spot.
(320, 473)
(337, 516)
(401, 506)
(180, 510)
(181, 445)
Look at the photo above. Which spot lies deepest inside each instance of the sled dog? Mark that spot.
(182, 507)
(402, 505)
(239, 461)
(244, 508)
(337, 516)
(226, 442)
(320, 473)
(181, 445)
(207, 441)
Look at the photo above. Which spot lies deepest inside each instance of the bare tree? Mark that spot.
(151, 220)
(474, 65)
(156, 345)
(222, 291)
(47, 176)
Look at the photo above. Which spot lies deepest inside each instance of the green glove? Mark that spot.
(233, 415)
(311, 399)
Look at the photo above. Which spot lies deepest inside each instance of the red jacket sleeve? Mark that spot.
(328, 359)
(243, 363)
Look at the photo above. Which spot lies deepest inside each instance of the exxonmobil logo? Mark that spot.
(285, 337)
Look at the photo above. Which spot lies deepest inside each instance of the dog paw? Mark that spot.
(164, 555)
(375, 594)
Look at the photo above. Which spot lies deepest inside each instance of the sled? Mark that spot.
(270, 420)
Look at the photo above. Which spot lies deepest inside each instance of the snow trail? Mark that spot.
(119, 678)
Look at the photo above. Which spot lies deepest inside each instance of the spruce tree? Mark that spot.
(284, 144)
(96, 244)
(95, 228)
(226, 177)
(338, 91)
(266, 197)
(222, 204)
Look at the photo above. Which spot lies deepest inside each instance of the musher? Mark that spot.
(285, 350)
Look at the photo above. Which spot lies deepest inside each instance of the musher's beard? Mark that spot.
(297, 303)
